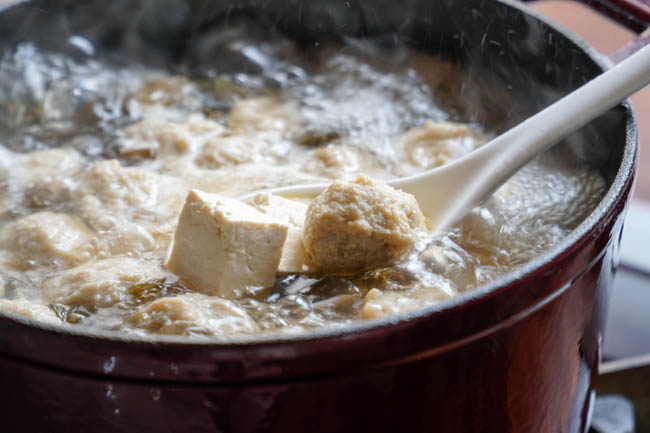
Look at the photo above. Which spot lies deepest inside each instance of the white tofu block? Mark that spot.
(222, 246)
(290, 212)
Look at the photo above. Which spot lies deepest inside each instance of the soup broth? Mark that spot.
(96, 161)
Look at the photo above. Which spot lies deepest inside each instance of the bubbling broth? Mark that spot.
(96, 162)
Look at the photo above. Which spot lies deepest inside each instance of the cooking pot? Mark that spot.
(516, 355)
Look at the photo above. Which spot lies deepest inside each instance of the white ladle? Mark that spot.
(447, 193)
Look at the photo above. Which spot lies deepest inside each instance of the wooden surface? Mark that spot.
(631, 379)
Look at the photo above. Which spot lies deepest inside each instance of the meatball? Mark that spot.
(436, 143)
(261, 114)
(99, 284)
(193, 314)
(45, 239)
(378, 303)
(30, 310)
(360, 224)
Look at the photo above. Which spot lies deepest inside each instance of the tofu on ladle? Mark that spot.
(223, 246)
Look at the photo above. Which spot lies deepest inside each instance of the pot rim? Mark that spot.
(357, 330)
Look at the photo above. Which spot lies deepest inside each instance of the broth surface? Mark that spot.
(96, 161)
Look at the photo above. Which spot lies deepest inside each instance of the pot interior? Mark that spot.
(512, 63)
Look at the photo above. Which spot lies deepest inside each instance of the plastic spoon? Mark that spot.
(447, 193)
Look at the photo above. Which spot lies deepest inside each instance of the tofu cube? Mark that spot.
(222, 246)
(290, 212)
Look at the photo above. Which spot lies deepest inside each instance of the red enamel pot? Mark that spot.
(516, 355)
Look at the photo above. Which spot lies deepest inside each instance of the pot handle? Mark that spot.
(633, 14)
